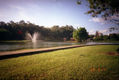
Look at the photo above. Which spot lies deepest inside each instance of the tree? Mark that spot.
(66, 31)
(105, 37)
(55, 32)
(4, 34)
(80, 34)
(113, 37)
(18, 31)
(107, 9)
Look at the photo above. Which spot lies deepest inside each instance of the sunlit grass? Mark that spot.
(83, 63)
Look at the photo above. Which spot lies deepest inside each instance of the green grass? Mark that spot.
(108, 41)
(14, 41)
(83, 63)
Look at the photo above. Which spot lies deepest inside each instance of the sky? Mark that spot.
(52, 12)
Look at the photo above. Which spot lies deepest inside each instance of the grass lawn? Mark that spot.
(83, 63)
(14, 41)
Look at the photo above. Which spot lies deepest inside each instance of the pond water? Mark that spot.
(9, 46)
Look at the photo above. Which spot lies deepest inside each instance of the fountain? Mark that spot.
(33, 37)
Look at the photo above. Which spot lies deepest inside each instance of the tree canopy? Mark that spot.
(107, 9)
(18, 30)
(80, 34)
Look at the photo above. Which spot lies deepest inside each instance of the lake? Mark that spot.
(10, 46)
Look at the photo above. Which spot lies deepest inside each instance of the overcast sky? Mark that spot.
(51, 12)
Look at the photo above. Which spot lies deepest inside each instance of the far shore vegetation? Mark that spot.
(18, 31)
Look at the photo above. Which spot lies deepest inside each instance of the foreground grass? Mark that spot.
(83, 63)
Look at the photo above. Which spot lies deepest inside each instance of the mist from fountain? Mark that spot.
(33, 37)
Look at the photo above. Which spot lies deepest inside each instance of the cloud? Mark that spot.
(116, 16)
(21, 12)
(100, 20)
(1, 15)
(103, 31)
(92, 31)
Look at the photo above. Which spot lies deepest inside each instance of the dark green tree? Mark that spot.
(80, 34)
(113, 37)
(66, 31)
(105, 37)
(4, 34)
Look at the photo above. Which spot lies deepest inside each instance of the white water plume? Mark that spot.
(33, 37)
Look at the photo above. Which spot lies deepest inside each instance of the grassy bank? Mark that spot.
(108, 41)
(14, 41)
(83, 63)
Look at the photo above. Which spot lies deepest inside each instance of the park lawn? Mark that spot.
(82, 63)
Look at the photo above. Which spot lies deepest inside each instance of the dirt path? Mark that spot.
(9, 54)
(37, 50)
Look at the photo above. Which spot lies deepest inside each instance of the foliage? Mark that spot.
(100, 38)
(108, 9)
(83, 63)
(4, 34)
(18, 30)
(80, 34)
(113, 37)
(105, 7)
(105, 37)
(110, 37)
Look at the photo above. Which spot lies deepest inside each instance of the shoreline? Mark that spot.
(18, 53)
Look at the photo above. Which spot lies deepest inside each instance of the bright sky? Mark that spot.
(51, 12)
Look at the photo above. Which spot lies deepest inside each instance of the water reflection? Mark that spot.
(8, 46)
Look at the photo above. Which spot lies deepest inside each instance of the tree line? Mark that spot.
(100, 37)
(18, 31)
(81, 34)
